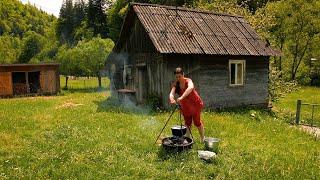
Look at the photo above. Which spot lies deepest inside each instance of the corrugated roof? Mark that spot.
(188, 31)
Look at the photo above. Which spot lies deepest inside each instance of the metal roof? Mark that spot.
(188, 31)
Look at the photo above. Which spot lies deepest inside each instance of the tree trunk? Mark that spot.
(99, 80)
(66, 85)
(280, 58)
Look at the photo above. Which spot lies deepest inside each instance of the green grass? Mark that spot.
(79, 135)
(84, 84)
(309, 95)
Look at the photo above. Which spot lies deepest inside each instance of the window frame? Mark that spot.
(234, 61)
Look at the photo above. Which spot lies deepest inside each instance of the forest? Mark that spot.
(83, 35)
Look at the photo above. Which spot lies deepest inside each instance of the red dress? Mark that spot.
(191, 106)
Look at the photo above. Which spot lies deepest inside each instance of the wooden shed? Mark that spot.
(23, 79)
(222, 54)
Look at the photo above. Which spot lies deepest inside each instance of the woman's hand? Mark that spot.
(179, 99)
(172, 101)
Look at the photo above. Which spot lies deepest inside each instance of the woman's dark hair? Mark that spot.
(178, 70)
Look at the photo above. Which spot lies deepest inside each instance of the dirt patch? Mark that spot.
(311, 130)
(68, 105)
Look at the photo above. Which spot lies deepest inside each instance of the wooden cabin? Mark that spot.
(24, 79)
(222, 54)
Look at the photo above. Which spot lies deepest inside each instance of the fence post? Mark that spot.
(298, 111)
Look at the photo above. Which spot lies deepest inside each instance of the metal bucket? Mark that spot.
(211, 144)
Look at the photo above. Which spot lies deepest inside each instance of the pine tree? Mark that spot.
(79, 12)
(97, 17)
(65, 23)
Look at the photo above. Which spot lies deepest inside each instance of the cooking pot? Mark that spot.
(178, 130)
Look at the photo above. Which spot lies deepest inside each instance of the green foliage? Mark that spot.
(115, 18)
(92, 55)
(32, 45)
(293, 27)
(154, 102)
(278, 87)
(97, 18)
(85, 59)
(9, 49)
(221, 6)
(65, 25)
(23, 31)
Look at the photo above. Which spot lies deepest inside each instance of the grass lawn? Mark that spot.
(77, 135)
(310, 95)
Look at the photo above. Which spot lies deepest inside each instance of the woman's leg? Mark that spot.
(201, 132)
(197, 122)
(188, 123)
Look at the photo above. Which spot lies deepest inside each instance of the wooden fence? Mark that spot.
(308, 113)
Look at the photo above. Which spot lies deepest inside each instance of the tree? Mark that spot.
(93, 55)
(254, 5)
(304, 26)
(20, 25)
(97, 17)
(9, 49)
(115, 18)
(293, 27)
(86, 59)
(69, 63)
(65, 25)
(32, 46)
(79, 13)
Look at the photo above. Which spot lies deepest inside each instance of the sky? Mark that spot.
(49, 6)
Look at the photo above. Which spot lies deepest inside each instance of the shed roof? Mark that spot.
(189, 31)
(28, 67)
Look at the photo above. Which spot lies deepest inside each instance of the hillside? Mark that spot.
(21, 24)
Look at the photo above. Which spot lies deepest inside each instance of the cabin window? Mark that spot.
(236, 72)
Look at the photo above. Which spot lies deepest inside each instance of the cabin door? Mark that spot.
(142, 88)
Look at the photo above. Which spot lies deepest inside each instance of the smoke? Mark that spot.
(115, 67)
(130, 105)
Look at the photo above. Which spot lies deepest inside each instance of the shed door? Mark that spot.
(5, 83)
(142, 84)
(48, 81)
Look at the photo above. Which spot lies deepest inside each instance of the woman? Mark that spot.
(190, 101)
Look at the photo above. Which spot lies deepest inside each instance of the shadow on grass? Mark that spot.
(112, 104)
(242, 110)
(83, 90)
(164, 154)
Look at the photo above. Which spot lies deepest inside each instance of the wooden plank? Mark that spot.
(48, 82)
(6, 84)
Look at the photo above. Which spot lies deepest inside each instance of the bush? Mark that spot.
(278, 87)
(154, 102)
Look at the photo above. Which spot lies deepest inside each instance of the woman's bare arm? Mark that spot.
(171, 95)
(188, 90)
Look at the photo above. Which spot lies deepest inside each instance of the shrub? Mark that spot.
(278, 87)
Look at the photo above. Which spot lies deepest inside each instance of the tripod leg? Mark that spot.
(166, 124)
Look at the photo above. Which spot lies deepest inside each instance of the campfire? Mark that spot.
(178, 142)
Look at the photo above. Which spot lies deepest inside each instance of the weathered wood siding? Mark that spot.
(143, 62)
(6, 84)
(214, 82)
(190, 66)
(48, 82)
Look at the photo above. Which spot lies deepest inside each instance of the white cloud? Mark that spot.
(49, 6)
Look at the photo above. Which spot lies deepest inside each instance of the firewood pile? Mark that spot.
(20, 88)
